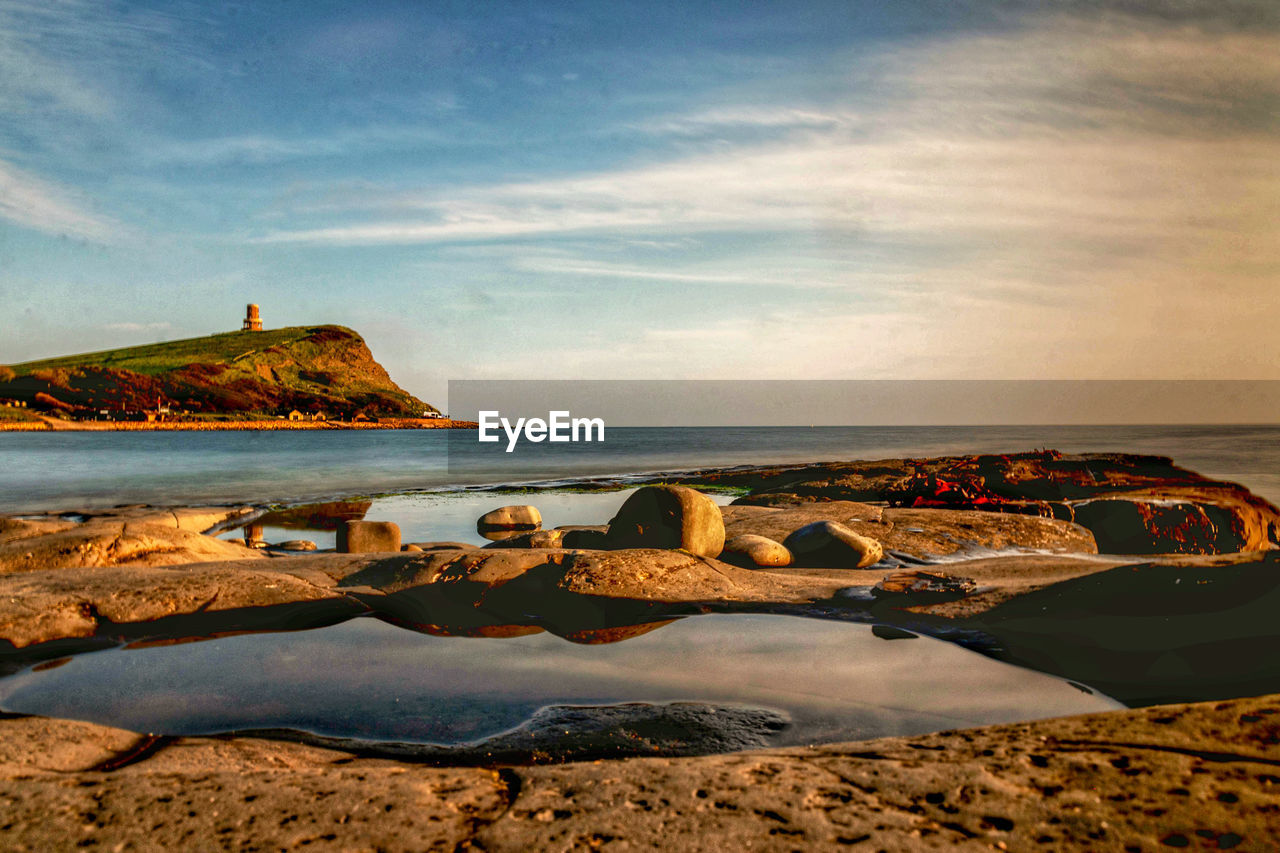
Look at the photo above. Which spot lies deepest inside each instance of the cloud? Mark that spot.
(63, 57)
(33, 203)
(746, 117)
(1065, 132)
(263, 148)
(758, 277)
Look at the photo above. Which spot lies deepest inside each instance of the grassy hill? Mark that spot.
(309, 368)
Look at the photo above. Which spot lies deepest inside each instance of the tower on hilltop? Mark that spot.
(252, 322)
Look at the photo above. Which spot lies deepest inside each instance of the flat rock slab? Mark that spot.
(1183, 775)
(928, 534)
(1219, 517)
(310, 590)
(136, 536)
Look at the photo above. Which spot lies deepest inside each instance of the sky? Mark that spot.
(693, 190)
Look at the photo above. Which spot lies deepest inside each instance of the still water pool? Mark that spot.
(699, 684)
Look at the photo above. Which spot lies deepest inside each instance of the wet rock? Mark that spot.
(515, 517)
(672, 517)
(751, 551)
(366, 537)
(828, 544)
(575, 733)
(559, 733)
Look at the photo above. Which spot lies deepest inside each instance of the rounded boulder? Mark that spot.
(755, 552)
(669, 517)
(831, 545)
(517, 517)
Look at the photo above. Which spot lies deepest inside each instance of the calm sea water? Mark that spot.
(41, 471)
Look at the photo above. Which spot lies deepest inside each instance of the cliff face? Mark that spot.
(312, 369)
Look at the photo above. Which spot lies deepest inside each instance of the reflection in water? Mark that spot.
(499, 534)
(778, 679)
(442, 516)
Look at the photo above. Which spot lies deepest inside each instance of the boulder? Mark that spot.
(516, 517)
(831, 545)
(751, 552)
(669, 517)
(364, 537)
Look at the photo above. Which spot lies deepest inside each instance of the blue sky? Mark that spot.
(648, 190)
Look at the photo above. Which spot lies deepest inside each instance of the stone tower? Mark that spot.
(252, 322)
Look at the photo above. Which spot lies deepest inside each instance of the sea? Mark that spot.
(55, 471)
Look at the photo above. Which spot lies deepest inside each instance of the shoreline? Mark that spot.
(1064, 605)
(59, 425)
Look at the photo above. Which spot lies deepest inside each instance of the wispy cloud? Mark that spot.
(262, 148)
(1068, 132)
(758, 278)
(746, 117)
(33, 203)
(62, 58)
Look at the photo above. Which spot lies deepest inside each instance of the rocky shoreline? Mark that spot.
(997, 553)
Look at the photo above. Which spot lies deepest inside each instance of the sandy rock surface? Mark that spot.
(139, 536)
(1206, 774)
